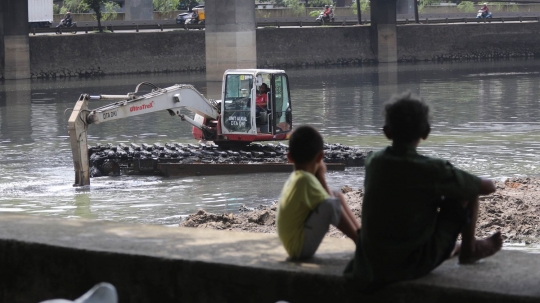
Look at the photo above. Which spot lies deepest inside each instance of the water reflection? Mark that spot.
(484, 113)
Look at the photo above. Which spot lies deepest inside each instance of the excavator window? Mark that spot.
(237, 101)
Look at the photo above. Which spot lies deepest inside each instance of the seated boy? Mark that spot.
(307, 207)
(415, 207)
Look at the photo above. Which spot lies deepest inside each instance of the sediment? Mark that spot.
(513, 209)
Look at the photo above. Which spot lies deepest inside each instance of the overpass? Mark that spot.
(230, 36)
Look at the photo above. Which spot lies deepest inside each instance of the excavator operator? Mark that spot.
(261, 104)
(262, 96)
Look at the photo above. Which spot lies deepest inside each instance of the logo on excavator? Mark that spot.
(110, 115)
(142, 107)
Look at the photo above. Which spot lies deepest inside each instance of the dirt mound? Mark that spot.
(513, 209)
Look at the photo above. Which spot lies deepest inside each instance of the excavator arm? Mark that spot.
(171, 99)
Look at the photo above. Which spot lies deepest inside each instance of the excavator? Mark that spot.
(232, 122)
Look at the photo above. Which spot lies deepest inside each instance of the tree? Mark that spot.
(95, 5)
(165, 5)
(73, 6)
(111, 10)
(364, 5)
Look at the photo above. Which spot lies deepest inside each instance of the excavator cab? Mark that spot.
(256, 105)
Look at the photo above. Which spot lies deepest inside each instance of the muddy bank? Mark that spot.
(513, 209)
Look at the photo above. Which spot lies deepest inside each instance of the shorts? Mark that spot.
(317, 225)
(450, 221)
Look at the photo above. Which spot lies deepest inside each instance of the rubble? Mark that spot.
(513, 209)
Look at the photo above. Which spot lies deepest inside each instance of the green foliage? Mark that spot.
(95, 5)
(466, 6)
(262, 14)
(318, 3)
(73, 6)
(188, 4)
(110, 11)
(165, 6)
(364, 5)
(56, 9)
(298, 9)
(424, 3)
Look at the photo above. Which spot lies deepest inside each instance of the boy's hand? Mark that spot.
(321, 170)
(319, 174)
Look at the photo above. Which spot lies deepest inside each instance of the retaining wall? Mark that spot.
(174, 51)
(42, 258)
(468, 41)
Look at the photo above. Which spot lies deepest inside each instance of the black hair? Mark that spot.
(407, 118)
(304, 144)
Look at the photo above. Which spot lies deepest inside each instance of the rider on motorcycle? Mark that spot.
(484, 11)
(67, 21)
(327, 12)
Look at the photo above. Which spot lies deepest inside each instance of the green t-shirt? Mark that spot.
(403, 191)
(300, 195)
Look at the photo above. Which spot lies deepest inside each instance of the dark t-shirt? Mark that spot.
(403, 193)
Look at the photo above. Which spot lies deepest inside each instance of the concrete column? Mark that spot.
(16, 112)
(383, 30)
(138, 10)
(230, 36)
(15, 53)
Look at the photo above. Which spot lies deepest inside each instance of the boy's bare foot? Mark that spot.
(482, 249)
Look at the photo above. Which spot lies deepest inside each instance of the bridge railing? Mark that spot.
(161, 25)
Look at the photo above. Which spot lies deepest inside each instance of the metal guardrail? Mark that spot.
(280, 22)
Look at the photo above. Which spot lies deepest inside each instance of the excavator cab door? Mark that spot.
(280, 105)
(238, 97)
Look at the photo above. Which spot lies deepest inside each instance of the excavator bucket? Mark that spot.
(77, 127)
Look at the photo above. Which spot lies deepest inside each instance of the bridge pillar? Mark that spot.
(14, 47)
(138, 10)
(383, 30)
(229, 36)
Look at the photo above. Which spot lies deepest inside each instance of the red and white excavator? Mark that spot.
(236, 120)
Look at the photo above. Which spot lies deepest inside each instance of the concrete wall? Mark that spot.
(112, 53)
(43, 258)
(289, 47)
(95, 54)
(466, 41)
(138, 9)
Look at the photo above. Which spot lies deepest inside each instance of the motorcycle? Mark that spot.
(483, 14)
(322, 18)
(72, 27)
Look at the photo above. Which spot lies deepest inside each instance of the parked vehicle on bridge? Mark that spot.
(182, 18)
(40, 13)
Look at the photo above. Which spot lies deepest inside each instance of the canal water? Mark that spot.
(485, 116)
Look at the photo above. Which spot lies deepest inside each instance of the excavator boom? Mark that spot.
(171, 99)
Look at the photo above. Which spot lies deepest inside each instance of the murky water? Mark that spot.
(485, 121)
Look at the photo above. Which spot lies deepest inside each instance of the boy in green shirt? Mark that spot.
(415, 207)
(307, 207)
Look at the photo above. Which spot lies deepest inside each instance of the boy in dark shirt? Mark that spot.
(415, 207)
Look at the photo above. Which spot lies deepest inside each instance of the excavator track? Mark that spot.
(176, 159)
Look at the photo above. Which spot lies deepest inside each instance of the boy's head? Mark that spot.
(406, 119)
(305, 144)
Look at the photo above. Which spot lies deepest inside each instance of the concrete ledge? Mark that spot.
(43, 258)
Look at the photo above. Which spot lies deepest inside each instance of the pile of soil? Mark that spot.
(513, 209)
